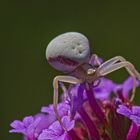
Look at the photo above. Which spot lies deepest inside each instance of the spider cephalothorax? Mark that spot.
(86, 72)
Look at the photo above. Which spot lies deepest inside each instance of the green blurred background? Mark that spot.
(113, 28)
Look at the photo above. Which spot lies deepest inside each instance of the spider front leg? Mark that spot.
(66, 79)
(114, 60)
(117, 63)
(119, 59)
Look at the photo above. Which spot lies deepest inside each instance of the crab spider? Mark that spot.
(70, 53)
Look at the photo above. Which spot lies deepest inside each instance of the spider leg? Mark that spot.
(112, 61)
(67, 79)
(64, 89)
(112, 65)
(121, 59)
(94, 59)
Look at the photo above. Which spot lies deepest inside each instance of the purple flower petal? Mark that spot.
(104, 89)
(68, 124)
(50, 135)
(126, 86)
(123, 110)
(45, 122)
(31, 126)
(135, 119)
(63, 109)
(28, 121)
(47, 109)
(76, 98)
(56, 127)
(55, 131)
(17, 124)
(133, 114)
(18, 127)
(136, 110)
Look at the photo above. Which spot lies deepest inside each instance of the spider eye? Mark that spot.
(66, 51)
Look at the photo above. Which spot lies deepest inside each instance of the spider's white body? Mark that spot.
(66, 51)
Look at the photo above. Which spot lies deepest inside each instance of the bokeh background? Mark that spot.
(26, 28)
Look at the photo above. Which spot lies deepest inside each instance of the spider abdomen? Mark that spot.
(66, 51)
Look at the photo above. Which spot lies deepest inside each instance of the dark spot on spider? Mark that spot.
(78, 44)
(80, 51)
(73, 47)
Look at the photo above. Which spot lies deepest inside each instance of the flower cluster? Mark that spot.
(101, 112)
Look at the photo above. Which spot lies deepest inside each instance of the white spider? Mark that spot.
(70, 53)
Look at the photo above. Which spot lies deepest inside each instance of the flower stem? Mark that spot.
(133, 131)
(94, 105)
(73, 135)
(93, 132)
(115, 125)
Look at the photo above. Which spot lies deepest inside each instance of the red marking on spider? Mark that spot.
(63, 60)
